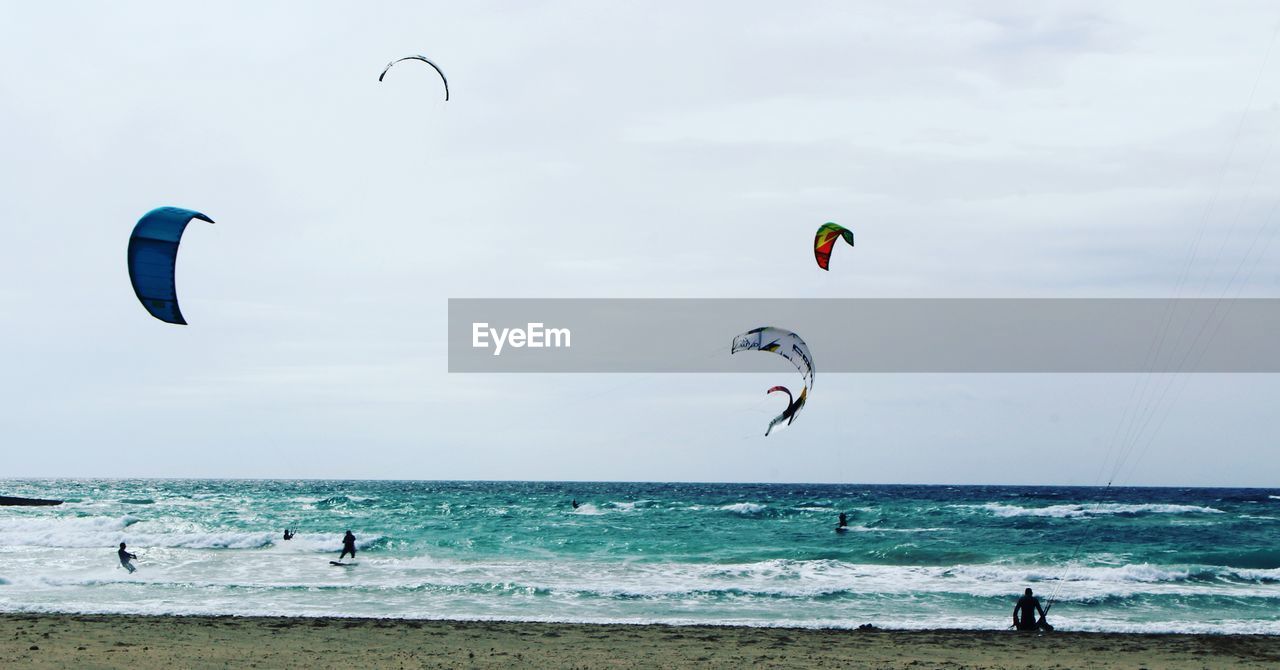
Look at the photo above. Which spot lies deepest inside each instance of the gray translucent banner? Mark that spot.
(868, 335)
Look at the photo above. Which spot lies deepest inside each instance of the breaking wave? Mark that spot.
(1096, 509)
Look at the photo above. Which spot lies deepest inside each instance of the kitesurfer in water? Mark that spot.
(574, 503)
(844, 522)
(1024, 613)
(288, 534)
(125, 557)
(348, 546)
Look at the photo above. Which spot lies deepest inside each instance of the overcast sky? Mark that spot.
(987, 149)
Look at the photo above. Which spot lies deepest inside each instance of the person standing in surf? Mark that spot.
(125, 557)
(348, 546)
(1024, 613)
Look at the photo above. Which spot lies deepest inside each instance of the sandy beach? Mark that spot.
(143, 642)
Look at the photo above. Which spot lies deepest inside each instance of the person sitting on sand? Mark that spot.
(348, 546)
(125, 557)
(1024, 613)
(288, 534)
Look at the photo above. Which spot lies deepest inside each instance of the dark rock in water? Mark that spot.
(27, 502)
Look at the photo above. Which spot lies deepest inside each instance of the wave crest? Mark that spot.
(1073, 511)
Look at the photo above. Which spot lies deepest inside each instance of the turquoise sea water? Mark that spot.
(1120, 559)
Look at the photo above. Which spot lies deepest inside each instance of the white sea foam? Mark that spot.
(1090, 509)
(773, 578)
(877, 529)
(108, 531)
(765, 593)
(64, 531)
(745, 508)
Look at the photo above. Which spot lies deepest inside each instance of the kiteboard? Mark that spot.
(345, 565)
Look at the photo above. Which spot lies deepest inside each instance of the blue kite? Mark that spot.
(153, 256)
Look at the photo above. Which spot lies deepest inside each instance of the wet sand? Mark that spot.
(144, 642)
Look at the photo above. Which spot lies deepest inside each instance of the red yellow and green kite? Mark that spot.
(825, 241)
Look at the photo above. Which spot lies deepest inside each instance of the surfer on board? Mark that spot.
(348, 546)
(125, 557)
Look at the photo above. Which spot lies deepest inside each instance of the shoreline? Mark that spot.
(150, 641)
(677, 624)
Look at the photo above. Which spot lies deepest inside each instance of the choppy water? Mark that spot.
(1184, 560)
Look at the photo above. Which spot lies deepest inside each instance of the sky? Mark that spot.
(610, 150)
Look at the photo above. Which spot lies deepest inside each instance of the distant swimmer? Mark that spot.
(1024, 613)
(844, 523)
(125, 557)
(574, 503)
(288, 534)
(348, 546)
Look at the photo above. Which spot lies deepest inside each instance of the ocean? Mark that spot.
(1120, 559)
